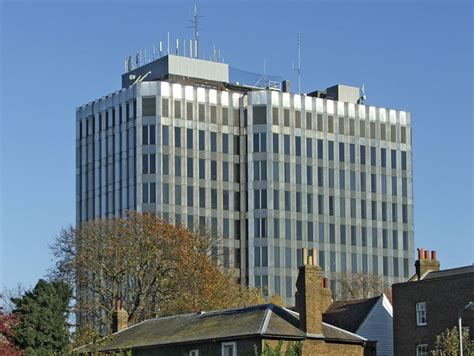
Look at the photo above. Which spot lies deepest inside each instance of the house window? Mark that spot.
(194, 353)
(229, 349)
(421, 313)
(422, 350)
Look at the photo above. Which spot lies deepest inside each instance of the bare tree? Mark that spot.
(6, 295)
(358, 286)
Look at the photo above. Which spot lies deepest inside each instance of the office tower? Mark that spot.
(271, 171)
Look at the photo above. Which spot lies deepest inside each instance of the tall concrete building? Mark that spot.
(271, 171)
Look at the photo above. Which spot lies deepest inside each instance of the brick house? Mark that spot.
(429, 303)
(241, 331)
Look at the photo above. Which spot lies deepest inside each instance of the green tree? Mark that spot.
(43, 312)
(292, 349)
(447, 343)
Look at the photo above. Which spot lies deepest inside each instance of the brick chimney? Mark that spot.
(309, 295)
(119, 317)
(326, 295)
(425, 262)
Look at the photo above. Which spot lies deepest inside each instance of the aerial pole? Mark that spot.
(195, 26)
(297, 68)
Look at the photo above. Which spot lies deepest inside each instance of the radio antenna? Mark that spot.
(297, 68)
(195, 26)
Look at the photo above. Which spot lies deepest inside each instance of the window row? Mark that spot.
(331, 124)
(342, 235)
(343, 155)
(107, 119)
(149, 196)
(284, 257)
(203, 171)
(203, 142)
(179, 109)
(292, 173)
(355, 208)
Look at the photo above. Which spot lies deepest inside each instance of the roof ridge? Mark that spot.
(345, 331)
(265, 320)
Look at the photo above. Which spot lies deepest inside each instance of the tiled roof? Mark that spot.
(349, 314)
(449, 272)
(260, 320)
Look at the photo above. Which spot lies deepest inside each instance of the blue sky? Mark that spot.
(55, 56)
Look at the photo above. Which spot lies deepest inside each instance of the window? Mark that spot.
(259, 142)
(286, 139)
(177, 166)
(213, 142)
(309, 175)
(225, 143)
(189, 138)
(404, 160)
(194, 353)
(165, 136)
(213, 170)
(331, 150)
(422, 350)
(352, 153)
(189, 167)
(189, 111)
(225, 171)
(229, 349)
(177, 137)
(177, 109)
(341, 152)
(275, 143)
(309, 148)
(297, 146)
(165, 164)
(202, 168)
(420, 314)
(148, 135)
(320, 149)
(362, 154)
(202, 140)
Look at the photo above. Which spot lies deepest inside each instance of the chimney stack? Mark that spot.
(426, 263)
(326, 295)
(312, 296)
(119, 317)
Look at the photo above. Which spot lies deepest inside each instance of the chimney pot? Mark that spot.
(427, 255)
(433, 255)
(420, 253)
(305, 256)
(315, 257)
(119, 317)
(310, 260)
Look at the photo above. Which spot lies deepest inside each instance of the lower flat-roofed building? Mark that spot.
(243, 331)
(429, 303)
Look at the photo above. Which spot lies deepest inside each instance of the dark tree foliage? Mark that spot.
(43, 312)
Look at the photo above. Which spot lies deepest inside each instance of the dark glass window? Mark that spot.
(177, 137)
(213, 142)
(165, 136)
(341, 151)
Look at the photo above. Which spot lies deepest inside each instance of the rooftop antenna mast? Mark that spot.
(195, 26)
(362, 97)
(297, 68)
